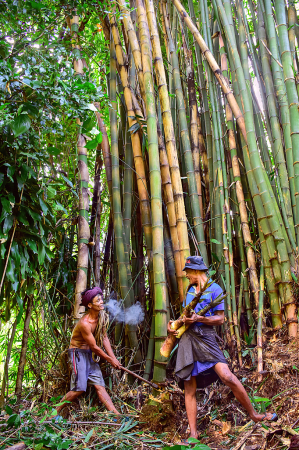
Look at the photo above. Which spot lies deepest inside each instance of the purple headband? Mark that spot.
(87, 296)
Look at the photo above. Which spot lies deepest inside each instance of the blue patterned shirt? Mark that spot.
(210, 295)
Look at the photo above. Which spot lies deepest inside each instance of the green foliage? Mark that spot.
(260, 403)
(57, 435)
(194, 444)
(41, 99)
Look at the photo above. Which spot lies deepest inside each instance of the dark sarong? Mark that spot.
(198, 344)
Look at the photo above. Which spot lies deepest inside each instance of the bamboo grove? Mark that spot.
(203, 159)
(195, 119)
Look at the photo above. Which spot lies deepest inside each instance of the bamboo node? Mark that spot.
(161, 363)
(292, 320)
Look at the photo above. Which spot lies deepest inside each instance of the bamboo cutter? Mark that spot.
(154, 385)
(178, 324)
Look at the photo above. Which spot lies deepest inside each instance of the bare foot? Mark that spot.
(185, 441)
(261, 417)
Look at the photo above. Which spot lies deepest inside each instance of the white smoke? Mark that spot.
(130, 316)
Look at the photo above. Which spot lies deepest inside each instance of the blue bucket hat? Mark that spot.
(195, 263)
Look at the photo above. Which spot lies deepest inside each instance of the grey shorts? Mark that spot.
(84, 370)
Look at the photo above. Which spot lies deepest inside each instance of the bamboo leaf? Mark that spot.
(6, 204)
(53, 151)
(7, 224)
(21, 124)
(41, 253)
(31, 110)
(32, 245)
(88, 436)
(91, 145)
(37, 5)
(215, 241)
(43, 206)
(92, 107)
(20, 304)
(134, 128)
(67, 180)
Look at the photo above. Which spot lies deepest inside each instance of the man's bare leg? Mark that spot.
(105, 399)
(70, 397)
(239, 392)
(191, 406)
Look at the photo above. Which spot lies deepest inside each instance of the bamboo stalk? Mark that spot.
(134, 44)
(281, 95)
(262, 183)
(224, 199)
(126, 292)
(197, 221)
(156, 198)
(169, 201)
(214, 67)
(194, 134)
(293, 101)
(170, 143)
(136, 145)
(278, 148)
(260, 325)
(239, 190)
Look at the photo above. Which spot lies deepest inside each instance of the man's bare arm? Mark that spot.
(91, 342)
(215, 320)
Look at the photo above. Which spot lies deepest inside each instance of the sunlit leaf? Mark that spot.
(21, 124)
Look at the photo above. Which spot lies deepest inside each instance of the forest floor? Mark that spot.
(160, 422)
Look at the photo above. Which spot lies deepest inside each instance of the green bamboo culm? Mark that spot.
(262, 179)
(126, 292)
(160, 299)
(292, 95)
(192, 188)
(260, 324)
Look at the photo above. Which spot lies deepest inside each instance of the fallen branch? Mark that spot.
(87, 423)
(244, 439)
(19, 446)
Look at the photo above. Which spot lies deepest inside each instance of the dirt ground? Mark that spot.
(222, 422)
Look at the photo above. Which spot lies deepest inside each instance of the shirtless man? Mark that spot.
(84, 369)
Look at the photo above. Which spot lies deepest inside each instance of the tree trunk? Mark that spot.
(22, 361)
(83, 175)
(95, 220)
(6, 364)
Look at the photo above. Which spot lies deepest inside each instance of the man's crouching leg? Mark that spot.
(105, 398)
(239, 392)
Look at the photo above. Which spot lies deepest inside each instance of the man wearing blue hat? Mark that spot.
(200, 361)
